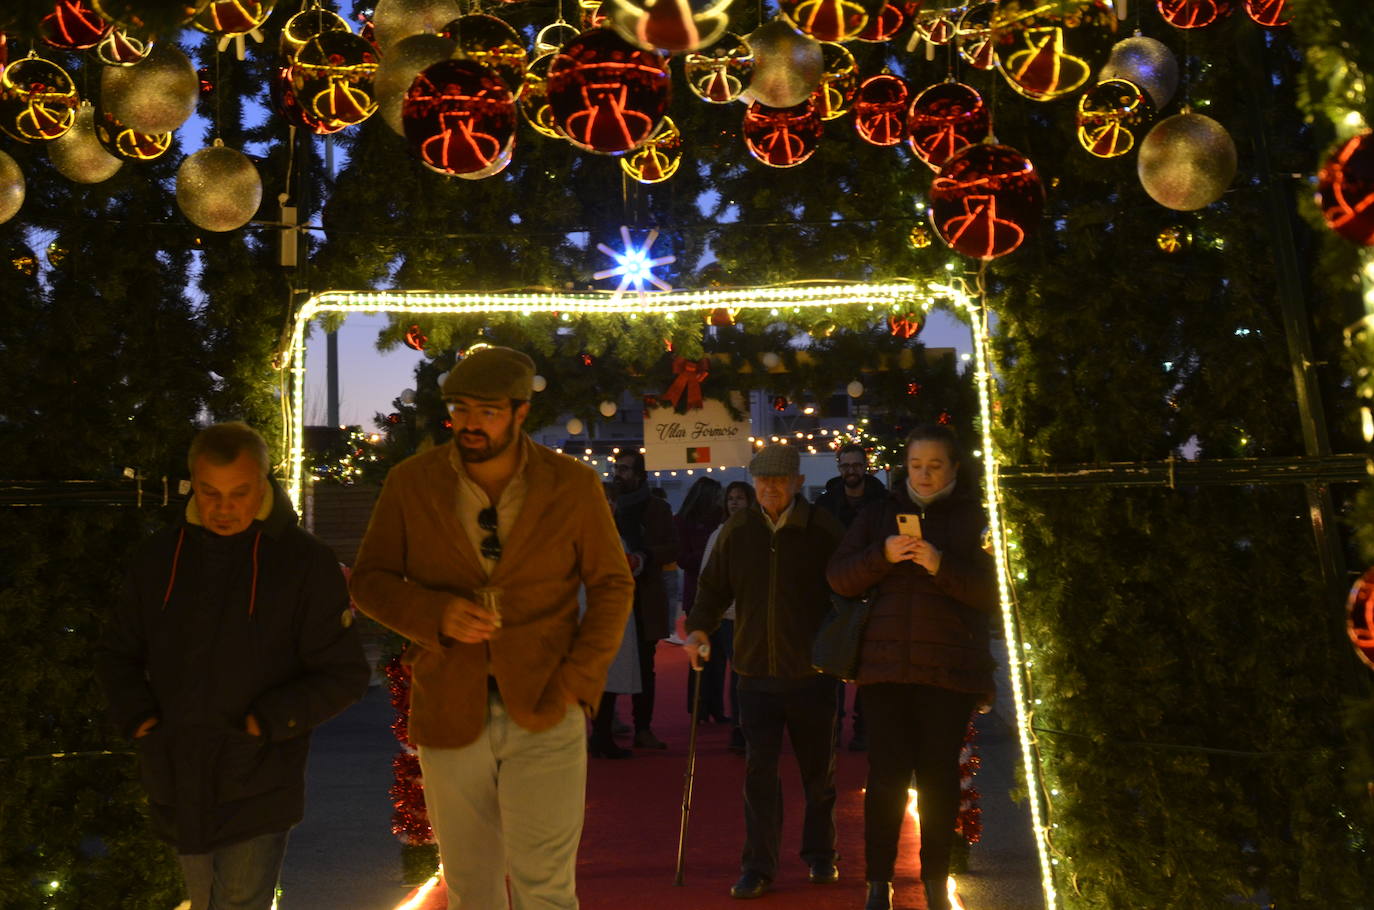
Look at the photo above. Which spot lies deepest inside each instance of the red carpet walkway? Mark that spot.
(629, 844)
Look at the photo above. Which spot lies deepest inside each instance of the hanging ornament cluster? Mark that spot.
(1345, 189)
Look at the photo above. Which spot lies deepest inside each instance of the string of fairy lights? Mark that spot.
(877, 298)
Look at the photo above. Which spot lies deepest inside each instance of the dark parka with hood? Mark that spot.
(835, 501)
(925, 629)
(210, 629)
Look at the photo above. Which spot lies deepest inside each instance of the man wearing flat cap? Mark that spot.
(476, 553)
(770, 562)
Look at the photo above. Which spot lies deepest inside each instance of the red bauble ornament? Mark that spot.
(414, 338)
(459, 118)
(780, 403)
(38, 100)
(986, 199)
(1345, 190)
(830, 20)
(1047, 50)
(880, 109)
(944, 119)
(491, 42)
(945, 418)
(607, 96)
(73, 26)
(913, 388)
(332, 79)
(904, 327)
(233, 17)
(123, 142)
(1107, 114)
(974, 36)
(1360, 617)
(285, 103)
(1194, 13)
(782, 137)
(1269, 13)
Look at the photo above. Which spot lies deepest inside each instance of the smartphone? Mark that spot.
(909, 524)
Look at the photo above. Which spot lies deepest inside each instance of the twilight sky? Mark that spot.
(369, 379)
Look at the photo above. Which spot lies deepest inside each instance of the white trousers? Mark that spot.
(510, 804)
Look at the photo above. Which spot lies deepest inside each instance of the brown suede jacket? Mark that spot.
(922, 628)
(416, 558)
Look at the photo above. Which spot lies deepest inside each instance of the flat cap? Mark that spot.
(776, 460)
(491, 372)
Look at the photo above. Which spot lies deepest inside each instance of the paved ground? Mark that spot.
(343, 856)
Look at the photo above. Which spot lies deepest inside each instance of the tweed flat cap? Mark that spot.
(492, 372)
(776, 461)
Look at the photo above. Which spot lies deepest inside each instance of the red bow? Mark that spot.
(689, 375)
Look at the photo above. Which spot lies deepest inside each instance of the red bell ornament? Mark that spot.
(1345, 190)
(1194, 13)
(1359, 623)
(839, 83)
(72, 26)
(669, 25)
(658, 158)
(890, 19)
(332, 79)
(973, 36)
(944, 119)
(936, 29)
(492, 42)
(607, 95)
(38, 100)
(720, 73)
(123, 142)
(1269, 13)
(986, 200)
(1108, 114)
(880, 109)
(830, 20)
(459, 118)
(233, 17)
(782, 137)
(1047, 50)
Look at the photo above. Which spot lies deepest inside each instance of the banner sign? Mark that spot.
(705, 437)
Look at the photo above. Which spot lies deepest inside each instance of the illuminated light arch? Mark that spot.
(904, 298)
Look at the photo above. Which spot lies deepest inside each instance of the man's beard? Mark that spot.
(854, 481)
(488, 449)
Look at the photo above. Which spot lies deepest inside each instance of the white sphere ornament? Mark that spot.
(1147, 63)
(439, 380)
(1186, 162)
(771, 360)
(608, 408)
(397, 19)
(155, 95)
(539, 383)
(787, 65)
(855, 389)
(218, 188)
(11, 187)
(402, 62)
(78, 154)
(574, 426)
(407, 396)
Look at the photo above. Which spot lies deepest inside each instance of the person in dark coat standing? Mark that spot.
(645, 523)
(845, 497)
(770, 562)
(925, 662)
(233, 641)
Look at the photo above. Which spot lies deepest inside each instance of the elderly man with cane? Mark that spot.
(770, 562)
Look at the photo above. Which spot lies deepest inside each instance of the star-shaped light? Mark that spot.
(633, 265)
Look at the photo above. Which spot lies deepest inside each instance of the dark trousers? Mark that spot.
(603, 723)
(913, 730)
(713, 674)
(805, 710)
(643, 700)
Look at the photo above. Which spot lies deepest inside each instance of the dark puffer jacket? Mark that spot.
(210, 629)
(834, 500)
(776, 581)
(923, 628)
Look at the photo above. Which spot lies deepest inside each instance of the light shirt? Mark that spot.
(782, 519)
(924, 501)
(472, 499)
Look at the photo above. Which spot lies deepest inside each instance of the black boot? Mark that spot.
(937, 894)
(879, 896)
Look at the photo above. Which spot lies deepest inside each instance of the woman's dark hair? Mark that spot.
(703, 502)
(937, 432)
(748, 489)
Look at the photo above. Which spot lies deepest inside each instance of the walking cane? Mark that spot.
(704, 653)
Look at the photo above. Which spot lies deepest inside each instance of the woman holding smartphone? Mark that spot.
(925, 663)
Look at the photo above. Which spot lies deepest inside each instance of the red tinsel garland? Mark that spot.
(409, 820)
(970, 821)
